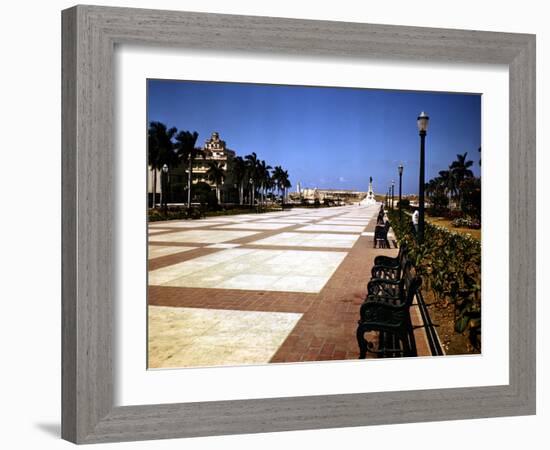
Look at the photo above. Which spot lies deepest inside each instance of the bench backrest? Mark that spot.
(410, 283)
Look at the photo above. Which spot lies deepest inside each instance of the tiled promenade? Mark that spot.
(259, 288)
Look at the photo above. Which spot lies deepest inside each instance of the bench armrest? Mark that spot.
(388, 261)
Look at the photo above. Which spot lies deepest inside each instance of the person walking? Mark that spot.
(415, 220)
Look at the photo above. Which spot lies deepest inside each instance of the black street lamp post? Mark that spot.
(422, 122)
(400, 170)
(392, 188)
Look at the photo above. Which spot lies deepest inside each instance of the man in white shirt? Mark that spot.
(415, 220)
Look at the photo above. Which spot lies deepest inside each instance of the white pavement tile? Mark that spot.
(202, 236)
(293, 239)
(338, 221)
(156, 251)
(254, 226)
(252, 269)
(288, 220)
(367, 233)
(184, 224)
(339, 228)
(191, 337)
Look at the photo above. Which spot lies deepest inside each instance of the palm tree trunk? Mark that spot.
(262, 195)
(154, 187)
(189, 181)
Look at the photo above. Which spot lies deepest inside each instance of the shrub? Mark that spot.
(405, 203)
(205, 195)
(175, 213)
(470, 203)
(450, 265)
(439, 204)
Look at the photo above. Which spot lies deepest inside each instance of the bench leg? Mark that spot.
(361, 341)
(411, 340)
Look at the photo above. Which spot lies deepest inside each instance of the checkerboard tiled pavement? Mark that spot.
(275, 287)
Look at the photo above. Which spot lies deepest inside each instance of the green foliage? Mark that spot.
(471, 197)
(450, 265)
(405, 203)
(175, 213)
(203, 194)
(439, 202)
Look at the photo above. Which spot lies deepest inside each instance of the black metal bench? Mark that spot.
(381, 236)
(386, 310)
(389, 268)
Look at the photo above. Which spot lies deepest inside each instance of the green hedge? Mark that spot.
(450, 266)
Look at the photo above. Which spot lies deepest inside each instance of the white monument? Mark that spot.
(369, 199)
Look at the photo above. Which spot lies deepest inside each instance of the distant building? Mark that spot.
(214, 149)
(340, 196)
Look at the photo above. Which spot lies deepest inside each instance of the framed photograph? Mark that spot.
(278, 224)
(254, 261)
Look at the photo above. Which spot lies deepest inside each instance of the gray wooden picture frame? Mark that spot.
(90, 34)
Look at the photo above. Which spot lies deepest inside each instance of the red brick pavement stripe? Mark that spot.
(244, 300)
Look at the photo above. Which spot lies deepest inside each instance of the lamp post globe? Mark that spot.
(422, 123)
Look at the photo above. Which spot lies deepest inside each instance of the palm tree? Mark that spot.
(252, 166)
(460, 168)
(263, 177)
(285, 184)
(185, 145)
(238, 168)
(280, 176)
(216, 174)
(270, 184)
(160, 150)
(431, 187)
(276, 177)
(447, 182)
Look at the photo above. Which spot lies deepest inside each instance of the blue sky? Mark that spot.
(326, 137)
